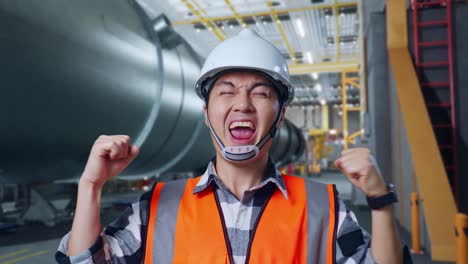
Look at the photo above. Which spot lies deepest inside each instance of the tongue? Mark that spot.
(242, 133)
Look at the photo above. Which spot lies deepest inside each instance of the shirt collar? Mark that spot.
(273, 175)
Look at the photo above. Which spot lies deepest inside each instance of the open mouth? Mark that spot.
(242, 130)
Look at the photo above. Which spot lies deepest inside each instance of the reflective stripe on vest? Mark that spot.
(186, 228)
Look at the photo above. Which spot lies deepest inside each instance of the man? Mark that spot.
(241, 210)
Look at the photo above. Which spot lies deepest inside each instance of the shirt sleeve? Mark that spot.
(353, 242)
(120, 242)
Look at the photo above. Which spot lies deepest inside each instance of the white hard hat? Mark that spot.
(248, 51)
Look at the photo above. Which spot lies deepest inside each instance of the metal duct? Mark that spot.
(74, 70)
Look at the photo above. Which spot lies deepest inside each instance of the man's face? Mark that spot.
(242, 107)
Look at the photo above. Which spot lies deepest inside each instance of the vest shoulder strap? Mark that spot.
(321, 205)
(164, 207)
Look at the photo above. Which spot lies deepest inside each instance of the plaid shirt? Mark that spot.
(121, 241)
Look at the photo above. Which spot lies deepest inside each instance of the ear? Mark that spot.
(282, 117)
(205, 113)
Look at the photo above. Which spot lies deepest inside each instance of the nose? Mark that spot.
(243, 103)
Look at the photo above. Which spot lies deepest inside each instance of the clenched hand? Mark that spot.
(109, 156)
(360, 168)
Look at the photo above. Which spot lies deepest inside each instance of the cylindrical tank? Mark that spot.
(288, 144)
(71, 71)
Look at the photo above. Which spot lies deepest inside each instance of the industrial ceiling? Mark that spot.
(305, 31)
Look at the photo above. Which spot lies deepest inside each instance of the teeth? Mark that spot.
(242, 124)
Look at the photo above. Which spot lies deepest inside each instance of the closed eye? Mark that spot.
(261, 90)
(264, 94)
(225, 88)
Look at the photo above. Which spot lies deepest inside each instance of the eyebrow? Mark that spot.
(256, 84)
(262, 84)
(225, 82)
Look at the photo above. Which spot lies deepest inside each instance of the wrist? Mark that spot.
(382, 199)
(377, 192)
(386, 209)
(85, 183)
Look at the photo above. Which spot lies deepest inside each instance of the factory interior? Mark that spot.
(388, 75)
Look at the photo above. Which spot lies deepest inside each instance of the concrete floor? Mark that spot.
(36, 244)
(36, 252)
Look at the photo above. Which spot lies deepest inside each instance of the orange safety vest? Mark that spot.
(189, 228)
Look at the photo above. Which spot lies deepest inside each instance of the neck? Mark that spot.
(240, 177)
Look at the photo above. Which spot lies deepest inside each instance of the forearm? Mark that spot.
(385, 245)
(86, 223)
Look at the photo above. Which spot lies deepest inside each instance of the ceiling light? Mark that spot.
(315, 75)
(309, 57)
(300, 28)
(323, 102)
(318, 87)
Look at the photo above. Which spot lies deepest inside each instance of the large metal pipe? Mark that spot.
(288, 145)
(74, 70)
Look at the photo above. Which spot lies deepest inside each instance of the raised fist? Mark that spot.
(361, 169)
(109, 156)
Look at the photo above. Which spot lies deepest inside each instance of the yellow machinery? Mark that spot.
(320, 150)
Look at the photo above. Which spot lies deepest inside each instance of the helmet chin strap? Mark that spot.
(241, 153)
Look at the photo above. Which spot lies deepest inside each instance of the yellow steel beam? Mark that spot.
(397, 33)
(345, 80)
(353, 83)
(236, 15)
(298, 69)
(213, 23)
(279, 12)
(355, 109)
(427, 161)
(208, 22)
(274, 15)
(426, 157)
(355, 135)
(352, 138)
